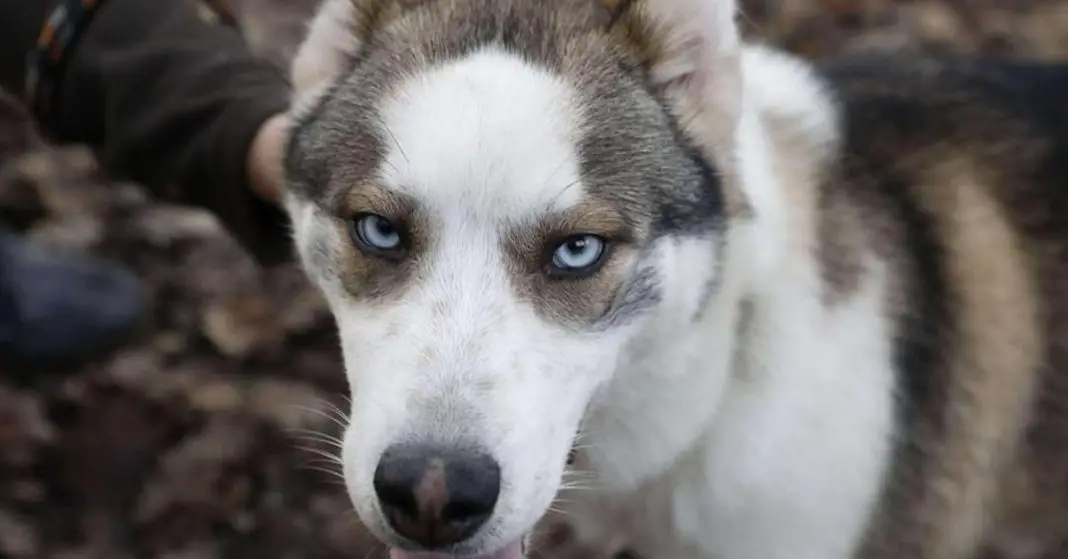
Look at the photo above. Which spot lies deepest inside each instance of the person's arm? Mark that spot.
(169, 100)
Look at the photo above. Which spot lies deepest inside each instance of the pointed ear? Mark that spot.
(694, 38)
(330, 42)
(692, 51)
(336, 34)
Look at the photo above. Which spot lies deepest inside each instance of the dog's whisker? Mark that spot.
(328, 463)
(562, 512)
(335, 445)
(319, 439)
(338, 412)
(322, 454)
(339, 421)
(337, 477)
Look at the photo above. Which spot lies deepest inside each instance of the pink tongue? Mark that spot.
(514, 551)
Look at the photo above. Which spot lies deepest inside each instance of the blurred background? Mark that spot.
(193, 441)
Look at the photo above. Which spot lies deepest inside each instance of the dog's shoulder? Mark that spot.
(959, 169)
(908, 112)
(943, 141)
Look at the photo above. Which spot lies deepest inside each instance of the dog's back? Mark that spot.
(956, 172)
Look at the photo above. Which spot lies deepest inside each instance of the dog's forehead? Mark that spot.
(488, 134)
(515, 106)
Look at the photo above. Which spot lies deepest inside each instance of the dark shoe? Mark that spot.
(58, 308)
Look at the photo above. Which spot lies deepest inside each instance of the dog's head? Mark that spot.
(500, 199)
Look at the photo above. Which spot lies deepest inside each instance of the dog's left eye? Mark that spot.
(579, 255)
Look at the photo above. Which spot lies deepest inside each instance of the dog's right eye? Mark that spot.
(578, 256)
(376, 234)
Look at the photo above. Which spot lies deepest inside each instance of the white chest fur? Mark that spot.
(790, 465)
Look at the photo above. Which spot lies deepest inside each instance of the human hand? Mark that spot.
(265, 159)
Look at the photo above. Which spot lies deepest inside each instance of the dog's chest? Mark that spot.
(692, 512)
(779, 474)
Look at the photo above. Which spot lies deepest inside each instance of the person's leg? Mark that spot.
(58, 308)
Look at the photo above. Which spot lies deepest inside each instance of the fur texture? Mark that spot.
(830, 319)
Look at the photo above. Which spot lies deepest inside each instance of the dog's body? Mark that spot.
(953, 177)
(827, 309)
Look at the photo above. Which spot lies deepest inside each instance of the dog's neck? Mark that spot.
(670, 381)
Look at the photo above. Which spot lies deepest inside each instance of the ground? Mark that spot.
(194, 441)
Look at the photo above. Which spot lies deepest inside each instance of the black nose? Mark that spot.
(436, 496)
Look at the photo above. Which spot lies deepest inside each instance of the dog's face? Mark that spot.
(497, 200)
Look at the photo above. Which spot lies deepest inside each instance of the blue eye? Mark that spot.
(376, 233)
(580, 254)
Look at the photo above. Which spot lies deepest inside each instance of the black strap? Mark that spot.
(62, 29)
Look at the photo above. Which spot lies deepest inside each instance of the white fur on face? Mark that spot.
(481, 145)
(489, 134)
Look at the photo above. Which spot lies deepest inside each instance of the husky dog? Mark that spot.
(779, 311)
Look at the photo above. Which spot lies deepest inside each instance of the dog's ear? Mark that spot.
(336, 34)
(690, 47)
(694, 39)
(332, 39)
(691, 50)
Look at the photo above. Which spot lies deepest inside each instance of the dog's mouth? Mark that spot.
(515, 550)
